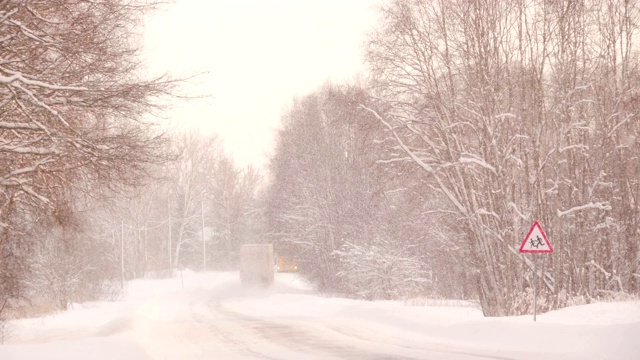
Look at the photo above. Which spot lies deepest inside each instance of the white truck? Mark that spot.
(256, 264)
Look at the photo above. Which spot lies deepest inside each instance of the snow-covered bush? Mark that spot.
(72, 269)
(3, 330)
(522, 303)
(382, 270)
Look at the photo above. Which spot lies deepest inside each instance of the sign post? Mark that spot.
(536, 241)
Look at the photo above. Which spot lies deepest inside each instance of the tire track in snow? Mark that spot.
(223, 329)
(326, 340)
(299, 338)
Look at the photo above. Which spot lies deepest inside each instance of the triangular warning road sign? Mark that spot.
(536, 241)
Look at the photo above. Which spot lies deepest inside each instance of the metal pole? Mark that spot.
(140, 241)
(535, 295)
(204, 245)
(170, 252)
(146, 242)
(122, 253)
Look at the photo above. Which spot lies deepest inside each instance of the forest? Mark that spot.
(477, 119)
(419, 180)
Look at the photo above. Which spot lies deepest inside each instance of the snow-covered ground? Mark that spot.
(211, 316)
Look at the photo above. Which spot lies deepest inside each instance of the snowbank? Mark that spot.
(210, 315)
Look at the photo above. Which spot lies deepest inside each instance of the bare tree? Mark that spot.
(500, 104)
(72, 100)
(189, 177)
(328, 196)
(234, 215)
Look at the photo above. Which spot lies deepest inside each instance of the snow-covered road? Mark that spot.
(211, 316)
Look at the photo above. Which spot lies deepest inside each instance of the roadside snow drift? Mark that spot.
(211, 316)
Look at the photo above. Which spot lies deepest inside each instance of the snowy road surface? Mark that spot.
(211, 316)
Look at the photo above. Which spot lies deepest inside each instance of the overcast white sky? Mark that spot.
(259, 54)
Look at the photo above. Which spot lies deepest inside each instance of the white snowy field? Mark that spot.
(211, 316)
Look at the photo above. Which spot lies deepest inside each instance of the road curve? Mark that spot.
(265, 337)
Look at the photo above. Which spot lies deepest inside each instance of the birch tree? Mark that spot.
(329, 199)
(190, 187)
(501, 106)
(72, 100)
(234, 214)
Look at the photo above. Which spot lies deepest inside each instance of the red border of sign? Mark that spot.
(543, 235)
